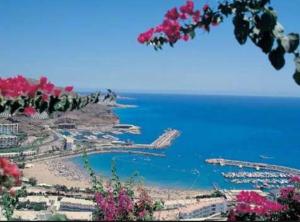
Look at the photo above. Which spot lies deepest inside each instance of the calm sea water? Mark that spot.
(242, 128)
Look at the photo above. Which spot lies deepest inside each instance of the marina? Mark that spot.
(163, 141)
(274, 177)
(257, 166)
(256, 175)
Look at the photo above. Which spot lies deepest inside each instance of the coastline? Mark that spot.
(63, 171)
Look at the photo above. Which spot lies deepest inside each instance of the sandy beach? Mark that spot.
(58, 171)
(64, 172)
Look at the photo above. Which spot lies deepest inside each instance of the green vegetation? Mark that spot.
(9, 202)
(58, 217)
(31, 206)
(32, 181)
(214, 194)
(34, 146)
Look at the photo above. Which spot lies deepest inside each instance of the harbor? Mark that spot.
(273, 177)
(264, 179)
(254, 165)
(163, 141)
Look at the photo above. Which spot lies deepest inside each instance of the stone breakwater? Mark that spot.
(163, 141)
(258, 166)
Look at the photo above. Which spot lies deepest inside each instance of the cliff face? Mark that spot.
(92, 116)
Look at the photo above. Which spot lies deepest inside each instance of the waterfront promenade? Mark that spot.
(258, 166)
(163, 141)
(71, 154)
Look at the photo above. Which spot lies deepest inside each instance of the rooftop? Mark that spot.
(68, 200)
(201, 204)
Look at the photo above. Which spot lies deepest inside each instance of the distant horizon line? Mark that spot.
(195, 93)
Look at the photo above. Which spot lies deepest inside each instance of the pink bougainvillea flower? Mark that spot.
(205, 7)
(172, 30)
(29, 111)
(231, 215)
(45, 97)
(9, 169)
(184, 16)
(48, 87)
(10, 176)
(43, 80)
(295, 179)
(31, 90)
(57, 92)
(296, 197)
(186, 37)
(172, 14)
(287, 192)
(158, 29)
(69, 88)
(196, 16)
(146, 36)
(188, 8)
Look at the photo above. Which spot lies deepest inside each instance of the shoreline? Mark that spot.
(63, 171)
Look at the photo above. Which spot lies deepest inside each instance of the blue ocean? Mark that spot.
(232, 127)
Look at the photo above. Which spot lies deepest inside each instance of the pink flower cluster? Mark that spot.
(252, 202)
(9, 173)
(171, 26)
(295, 179)
(122, 206)
(290, 193)
(11, 88)
(20, 86)
(252, 206)
(287, 192)
(29, 111)
(114, 208)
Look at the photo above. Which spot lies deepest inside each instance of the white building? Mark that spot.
(9, 128)
(69, 143)
(204, 208)
(7, 141)
(15, 154)
(73, 204)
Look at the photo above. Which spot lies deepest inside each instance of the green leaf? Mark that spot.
(192, 34)
(241, 28)
(290, 42)
(276, 57)
(265, 41)
(297, 77)
(225, 9)
(278, 30)
(264, 2)
(297, 63)
(267, 21)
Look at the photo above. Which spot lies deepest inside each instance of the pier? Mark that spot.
(257, 166)
(162, 141)
(165, 139)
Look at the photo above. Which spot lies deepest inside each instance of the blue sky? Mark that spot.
(92, 44)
